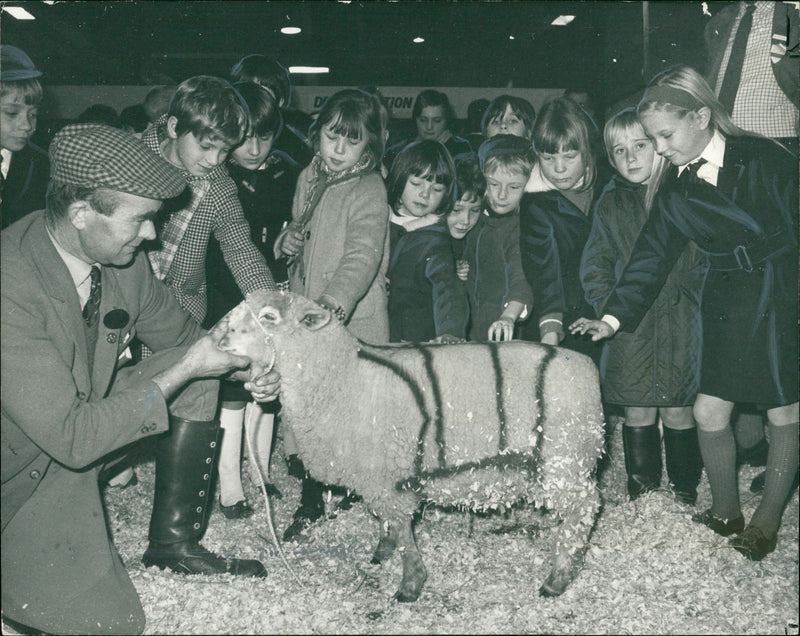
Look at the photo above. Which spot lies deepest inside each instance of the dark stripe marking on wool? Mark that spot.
(418, 398)
(499, 387)
(538, 425)
(514, 460)
(437, 401)
(548, 358)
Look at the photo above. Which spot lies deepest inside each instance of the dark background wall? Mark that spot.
(466, 43)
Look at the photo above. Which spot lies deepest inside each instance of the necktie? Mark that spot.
(91, 310)
(689, 174)
(2, 178)
(733, 72)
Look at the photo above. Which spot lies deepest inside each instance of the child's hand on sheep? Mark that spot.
(598, 329)
(501, 330)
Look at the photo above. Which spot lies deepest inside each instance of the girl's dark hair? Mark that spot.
(522, 108)
(469, 178)
(351, 112)
(431, 97)
(264, 115)
(429, 158)
(562, 125)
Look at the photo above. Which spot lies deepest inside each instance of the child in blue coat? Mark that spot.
(427, 301)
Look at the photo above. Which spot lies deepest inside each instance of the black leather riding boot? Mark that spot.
(684, 462)
(642, 445)
(184, 466)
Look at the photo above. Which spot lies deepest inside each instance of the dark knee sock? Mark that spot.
(781, 469)
(718, 449)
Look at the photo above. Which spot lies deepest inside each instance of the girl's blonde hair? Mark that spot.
(685, 85)
(563, 125)
(618, 125)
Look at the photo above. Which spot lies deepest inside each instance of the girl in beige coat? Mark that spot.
(337, 241)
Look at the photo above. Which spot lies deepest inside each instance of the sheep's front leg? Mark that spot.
(578, 509)
(414, 573)
(386, 543)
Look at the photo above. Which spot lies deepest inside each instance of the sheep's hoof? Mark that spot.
(384, 550)
(548, 592)
(406, 597)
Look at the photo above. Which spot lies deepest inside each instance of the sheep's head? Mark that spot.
(252, 327)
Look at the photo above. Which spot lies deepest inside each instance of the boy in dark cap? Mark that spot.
(24, 168)
(61, 572)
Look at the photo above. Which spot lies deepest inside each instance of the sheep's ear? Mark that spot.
(269, 315)
(314, 318)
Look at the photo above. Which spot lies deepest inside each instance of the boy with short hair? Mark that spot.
(205, 121)
(500, 295)
(25, 168)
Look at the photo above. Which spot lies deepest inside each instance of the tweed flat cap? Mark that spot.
(15, 65)
(99, 156)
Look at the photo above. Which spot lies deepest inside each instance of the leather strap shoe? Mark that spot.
(724, 527)
(189, 557)
(753, 544)
(239, 510)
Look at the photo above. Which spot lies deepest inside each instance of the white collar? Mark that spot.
(7, 154)
(411, 223)
(713, 153)
(537, 182)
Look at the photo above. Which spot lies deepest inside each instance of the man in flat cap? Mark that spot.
(75, 290)
(24, 168)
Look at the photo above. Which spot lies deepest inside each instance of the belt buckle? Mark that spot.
(742, 258)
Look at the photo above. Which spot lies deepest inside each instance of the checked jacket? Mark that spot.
(212, 207)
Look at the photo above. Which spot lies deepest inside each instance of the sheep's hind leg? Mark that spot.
(414, 573)
(578, 510)
(386, 543)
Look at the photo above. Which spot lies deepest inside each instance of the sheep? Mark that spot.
(479, 425)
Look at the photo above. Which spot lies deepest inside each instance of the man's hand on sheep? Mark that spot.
(599, 329)
(264, 387)
(204, 359)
